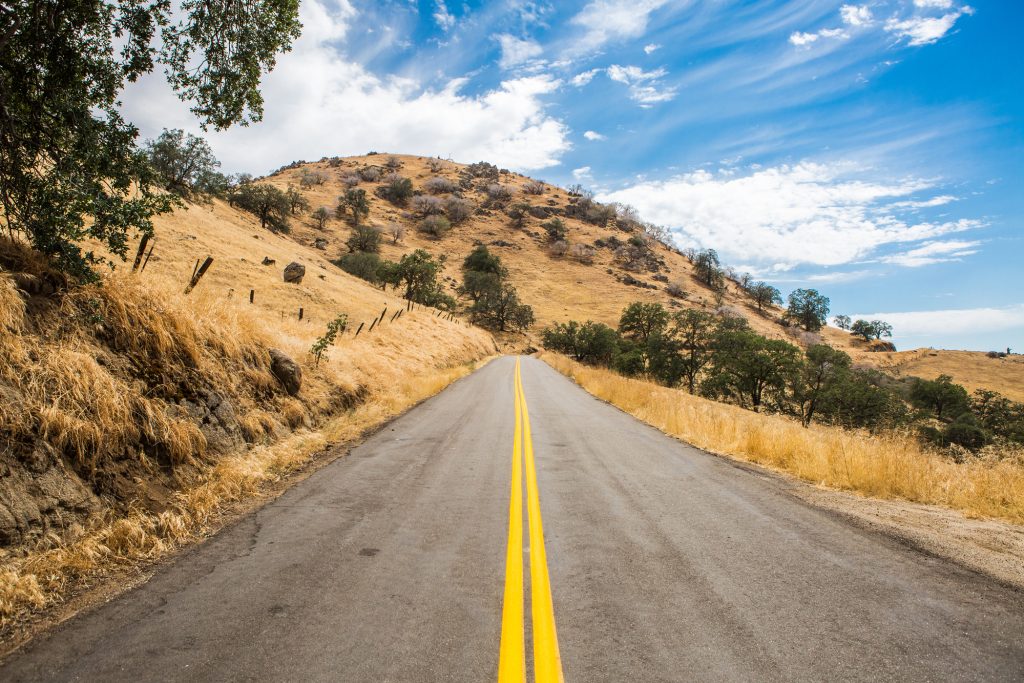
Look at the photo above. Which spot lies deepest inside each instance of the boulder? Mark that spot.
(320, 243)
(287, 371)
(294, 272)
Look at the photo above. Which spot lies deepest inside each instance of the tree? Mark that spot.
(639, 321)
(297, 202)
(362, 264)
(807, 308)
(518, 213)
(396, 231)
(354, 204)
(270, 204)
(942, 396)
(70, 168)
(321, 216)
(764, 295)
(695, 332)
(483, 261)
(591, 343)
(882, 328)
(417, 274)
(863, 328)
(707, 267)
(364, 238)
(822, 370)
(397, 190)
(750, 368)
(181, 161)
(842, 322)
(482, 273)
(500, 308)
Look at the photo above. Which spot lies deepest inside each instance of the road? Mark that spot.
(664, 564)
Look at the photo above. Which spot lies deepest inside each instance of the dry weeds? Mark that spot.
(880, 466)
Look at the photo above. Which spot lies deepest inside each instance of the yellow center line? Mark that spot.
(547, 663)
(512, 657)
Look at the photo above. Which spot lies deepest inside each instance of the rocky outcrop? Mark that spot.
(287, 371)
(294, 272)
(320, 243)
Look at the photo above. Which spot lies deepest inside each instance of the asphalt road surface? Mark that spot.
(664, 564)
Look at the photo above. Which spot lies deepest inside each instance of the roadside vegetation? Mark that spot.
(887, 464)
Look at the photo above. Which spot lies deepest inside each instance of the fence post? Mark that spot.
(198, 274)
(300, 313)
(140, 252)
(148, 254)
(359, 330)
(252, 295)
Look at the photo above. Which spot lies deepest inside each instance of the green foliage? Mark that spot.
(941, 397)
(821, 374)
(297, 202)
(842, 322)
(518, 213)
(481, 260)
(435, 226)
(181, 161)
(707, 268)
(397, 190)
(874, 329)
(764, 295)
(695, 332)
(500, 308)
(334, 327)
(364, 238)
(363, 264)
(555, 229)
(807, 308)
(353, 205)
(749, 368)
(591, 343)
(270, 204)
(321, 216)
(418, 274)
(639, 321)
(70, 169)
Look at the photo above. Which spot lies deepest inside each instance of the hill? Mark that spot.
(597, 284)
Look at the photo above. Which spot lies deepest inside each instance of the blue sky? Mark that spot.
(868, 149)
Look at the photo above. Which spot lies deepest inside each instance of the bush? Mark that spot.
(555, 229)
(310, 178)
(350, 180)
(393, 163)
(439, 185)
(518, 213)
(583, 253)
(370, 174)
(533, 187)
(436, 226)
(364, 238)
(321, 216)
(592, 343)
(482, 169)
(396, 231)
(559, 248)
(499, 193)
(425, 205)
(435, 164)
(457, 209)
(362, 264)
(676, 289)
(396, 189)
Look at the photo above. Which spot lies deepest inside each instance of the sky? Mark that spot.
(868, 150)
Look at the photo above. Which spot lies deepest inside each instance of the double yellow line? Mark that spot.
(547, 663)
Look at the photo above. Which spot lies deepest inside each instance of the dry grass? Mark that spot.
(883, 466)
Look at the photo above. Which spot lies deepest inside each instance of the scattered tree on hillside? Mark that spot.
(270, 204)
(518, 213)
(435, 226)
(807, 308)
(365, 265)
(457, 209)
(183, 162)
(821, 373)
(750, 368)
(640, 321)
(396, 231)
(297, 202)
(945, 399)
(695, 331)
(321, 216)
(496, 303)
(874, 329)
(70, 167)
(556, 230)
(396, 190)
(364, 238)
(842, 322)
(417, 273)
(590, 342)
(353, 205)
(707, 268)
(764, 295)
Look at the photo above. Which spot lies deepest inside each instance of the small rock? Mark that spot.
(267, 261)
(320, 243)
(294, 272)
(286, 371)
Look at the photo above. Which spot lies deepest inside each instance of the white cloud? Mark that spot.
(855, 15)
(925, 30)
(318, 103)
(645, 87)
(951, 321)
(445, 19)
(516, 51)
(801, 39)
(808, 213)
(593, 135)
(940, 200)
(581, 79)
(581, 173)
(608, 20)
(937, 4)
(651, 47)
(933, 252)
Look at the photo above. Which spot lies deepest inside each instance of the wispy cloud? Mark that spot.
(604, 21)
(517, 51)
(445, 19)
(790, 215)
(651, 47)
(645, 87)
(856, 15)
(593, 135)
(920, 30)
(933, 252)
(929, 324)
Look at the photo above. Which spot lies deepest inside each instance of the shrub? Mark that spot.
(354, 205)
(310, 178)
(370, 174)
(584, 253)
(559, 248)
(350, 180)
(498, 193)
(333, 328)
(439, 185)
(457, 209)
(436, 226)
(393, 163)
(362, 264)
(364, 238)
(518, 213)
(435, 164)
(396, 189)
(321, 216)
(555, 229)
(533, 187)
(676, 289)
(425, 205)
(482, 169)
(396, 232)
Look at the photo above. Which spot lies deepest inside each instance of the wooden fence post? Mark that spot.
(148, 254)
(300, 313)
(139, 254)
(252, 295)
(359, 330)
(198, 274)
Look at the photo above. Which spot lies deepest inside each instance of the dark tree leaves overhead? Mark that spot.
(70, 166)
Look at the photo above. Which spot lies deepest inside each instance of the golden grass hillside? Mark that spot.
(563, 288)
(131, 412)
(881, 466)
